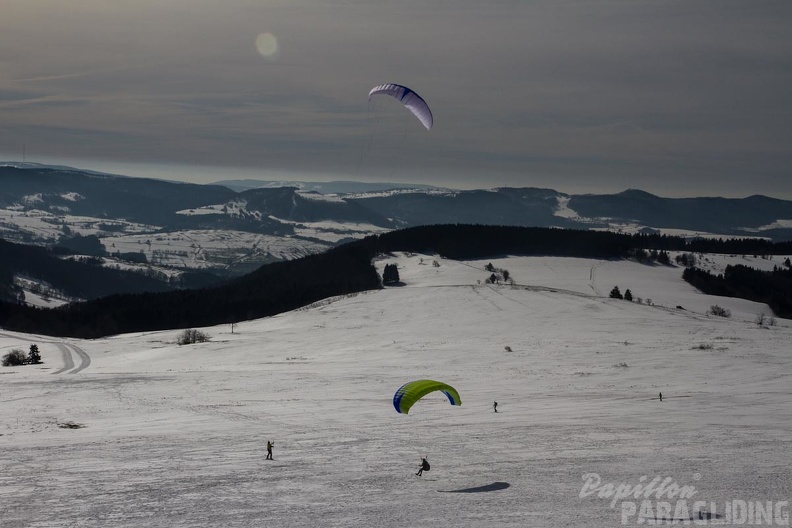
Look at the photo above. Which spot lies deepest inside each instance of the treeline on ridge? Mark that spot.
(83, 278)
(272, 289)
(283, 286)
(773, 288)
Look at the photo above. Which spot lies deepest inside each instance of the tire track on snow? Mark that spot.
(68, 358)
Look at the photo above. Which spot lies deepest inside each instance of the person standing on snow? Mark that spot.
(495, 406)
(269, 450)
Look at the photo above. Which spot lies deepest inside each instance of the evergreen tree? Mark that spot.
(8, 290)
(34, 358)
(390, 274)
(615, 293)
(628, 295)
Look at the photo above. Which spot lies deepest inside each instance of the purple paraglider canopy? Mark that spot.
(414, 102)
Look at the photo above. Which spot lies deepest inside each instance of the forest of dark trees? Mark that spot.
(282, 286)
(83, 278)
(773, 288)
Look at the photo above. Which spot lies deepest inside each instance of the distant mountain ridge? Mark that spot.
(42, 204)
(735, 216)
(331, 187)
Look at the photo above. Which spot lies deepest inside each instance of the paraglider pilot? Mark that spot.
(424, 467)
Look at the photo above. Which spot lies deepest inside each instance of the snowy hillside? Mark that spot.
(186, 248)
(137, 431)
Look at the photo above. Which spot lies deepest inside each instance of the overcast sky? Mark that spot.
(676, 97)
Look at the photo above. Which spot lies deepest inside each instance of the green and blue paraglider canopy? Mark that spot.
(411, 392)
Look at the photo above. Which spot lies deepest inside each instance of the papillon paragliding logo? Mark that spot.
(660, 500)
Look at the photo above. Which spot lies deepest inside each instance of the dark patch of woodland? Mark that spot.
(390, 275)
(82, 278)
(270, 290)
(773, 288)
(282, 286)
(480, 241)
(78, 244)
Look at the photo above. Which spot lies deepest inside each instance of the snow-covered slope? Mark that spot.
(174, 435)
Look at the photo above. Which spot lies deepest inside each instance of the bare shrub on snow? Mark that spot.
(191, 335)
(71, 425)
(14, 358)
(763, 321)
(719, 311)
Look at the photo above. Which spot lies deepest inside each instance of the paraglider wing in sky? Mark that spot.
(411, 392)
(409, 98)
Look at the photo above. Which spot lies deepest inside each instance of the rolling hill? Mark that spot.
(136, 431)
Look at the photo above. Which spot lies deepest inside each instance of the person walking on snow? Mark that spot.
(661, 396)
(495, 406)
(269, 450)
(424, 467)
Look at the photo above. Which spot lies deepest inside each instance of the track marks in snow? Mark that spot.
(85, 359)
(593, 276)
(68, 358)
(503, 293)
(68, 362)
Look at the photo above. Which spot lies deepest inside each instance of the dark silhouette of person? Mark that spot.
(495, 406)
(424, 467)
(661, 396)
(269, 450)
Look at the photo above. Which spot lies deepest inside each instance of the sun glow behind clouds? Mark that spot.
(267, 45)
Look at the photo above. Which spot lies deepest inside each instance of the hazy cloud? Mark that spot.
(675, 97)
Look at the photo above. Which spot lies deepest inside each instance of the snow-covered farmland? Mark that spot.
(331, 231)
(137, 431)
(239, 251)
(43, 225)
(196, 249)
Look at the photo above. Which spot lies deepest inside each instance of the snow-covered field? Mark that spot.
(331, 231)
(188, 248)
(211, 248)
(36, 224)
(165, 435)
